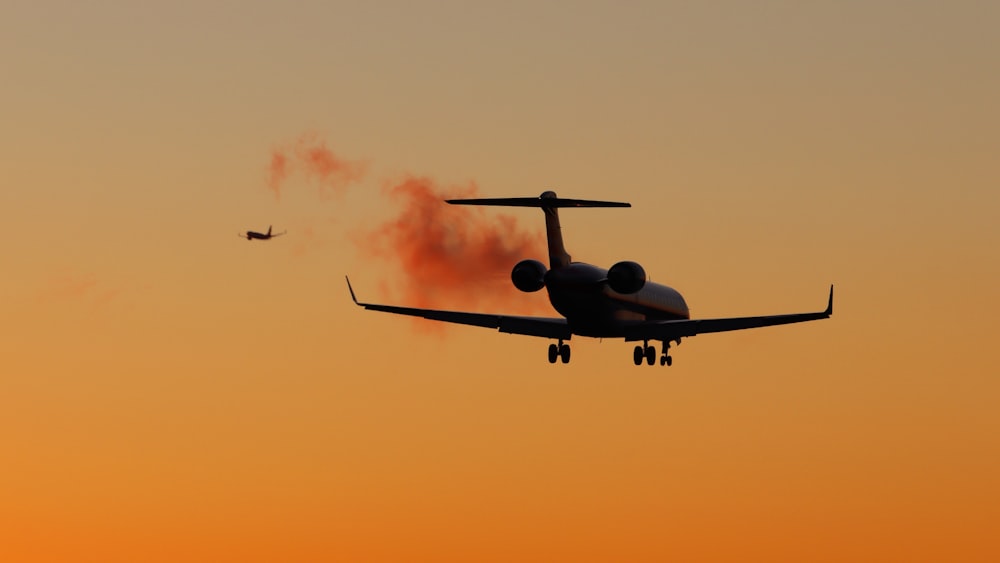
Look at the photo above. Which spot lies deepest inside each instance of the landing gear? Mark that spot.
(559, 351)
(644, 352)
(665, 358)
(648, 353)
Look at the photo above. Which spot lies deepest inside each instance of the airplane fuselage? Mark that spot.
(579, 292)
(254, 235)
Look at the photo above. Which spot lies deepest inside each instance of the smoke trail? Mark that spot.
(452, 256)
(329, 170)
(448, 256)
(332, 173)
(277, 172)
(83, 288)
(68, 286)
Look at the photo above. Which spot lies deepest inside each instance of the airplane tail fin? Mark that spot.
(269, 230)
(549, 202)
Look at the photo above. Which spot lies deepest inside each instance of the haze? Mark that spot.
(171, 392)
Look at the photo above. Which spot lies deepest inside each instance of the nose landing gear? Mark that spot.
(665, 358)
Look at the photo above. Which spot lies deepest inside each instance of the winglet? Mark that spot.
(351, 289)
(829, 304)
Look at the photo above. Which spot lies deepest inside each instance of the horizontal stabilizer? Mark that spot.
(543, 202)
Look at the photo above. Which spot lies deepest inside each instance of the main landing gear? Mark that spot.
(644, 353)
(648, 353)
(559, 351)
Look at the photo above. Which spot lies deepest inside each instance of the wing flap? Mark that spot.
(671, 330)
(536, 326)
(457, 317)
(544, 327)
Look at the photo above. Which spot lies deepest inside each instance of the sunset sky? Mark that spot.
(170, 392)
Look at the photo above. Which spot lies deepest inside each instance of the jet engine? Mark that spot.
(626, 277)
(528, 275)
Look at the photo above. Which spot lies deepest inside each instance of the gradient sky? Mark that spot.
(169, 392)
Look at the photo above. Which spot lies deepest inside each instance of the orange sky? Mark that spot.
(171, 392)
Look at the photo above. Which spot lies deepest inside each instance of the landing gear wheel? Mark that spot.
(553, 353)
(650, 355)
(637, 355)
(665, 359)
(564, 353)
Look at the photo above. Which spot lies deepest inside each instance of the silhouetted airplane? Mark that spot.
(250, 235)
(615, 303)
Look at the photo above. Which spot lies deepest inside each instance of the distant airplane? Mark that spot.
(250, 235)
(615, 303)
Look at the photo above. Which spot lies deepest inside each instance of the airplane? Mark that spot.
(250, 235)
(619, 302)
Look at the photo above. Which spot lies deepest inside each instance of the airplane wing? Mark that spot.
(671, 330)
(279, 234)
(544, 327)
